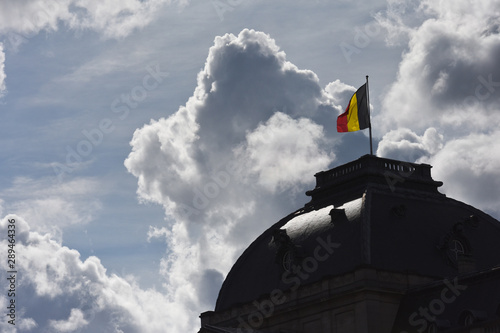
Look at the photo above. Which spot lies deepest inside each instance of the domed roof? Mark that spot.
(372, 212)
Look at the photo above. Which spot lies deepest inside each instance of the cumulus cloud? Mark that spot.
(443, 107)
(468, 166)
(405, 145)
(339, 92)
(228, 164)
(246, 81)
(278, 157)
(57, 291)
(450, 69)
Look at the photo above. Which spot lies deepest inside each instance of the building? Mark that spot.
(377, 249)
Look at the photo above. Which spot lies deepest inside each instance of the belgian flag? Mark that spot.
(357, 115)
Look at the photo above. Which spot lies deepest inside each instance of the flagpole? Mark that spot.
(369, 115)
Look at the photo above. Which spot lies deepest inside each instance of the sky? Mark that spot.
(145, 144)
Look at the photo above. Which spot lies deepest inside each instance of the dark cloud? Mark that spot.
(210, 282)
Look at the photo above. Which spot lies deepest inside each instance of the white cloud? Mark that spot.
(246, 80)
(2, 71)
(113, 19)
(339, 92)
(468, 166)
(279, 157)
(450, 66)
(26, 324)
(253, 116)
(405, 145)
(155, 232)
(58, 291)
(399, 20)
(75, 321)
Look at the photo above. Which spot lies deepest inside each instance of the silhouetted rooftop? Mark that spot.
(372, 212)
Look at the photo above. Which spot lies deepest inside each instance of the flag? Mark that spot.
(356, 116)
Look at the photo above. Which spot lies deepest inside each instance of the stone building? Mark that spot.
(377, 249)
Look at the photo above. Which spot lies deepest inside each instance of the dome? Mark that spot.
(373, 212)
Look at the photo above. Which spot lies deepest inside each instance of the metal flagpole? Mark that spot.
(369, 115)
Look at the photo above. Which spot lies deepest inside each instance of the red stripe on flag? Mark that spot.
(342, 120)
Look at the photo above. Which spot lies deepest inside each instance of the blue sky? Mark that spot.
(145, 144)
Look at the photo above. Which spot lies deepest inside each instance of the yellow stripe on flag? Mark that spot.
(353, 122)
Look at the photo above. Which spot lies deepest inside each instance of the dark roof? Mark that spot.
(452, 305)
(372, 212)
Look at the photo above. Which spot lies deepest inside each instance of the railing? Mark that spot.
(374, 165)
